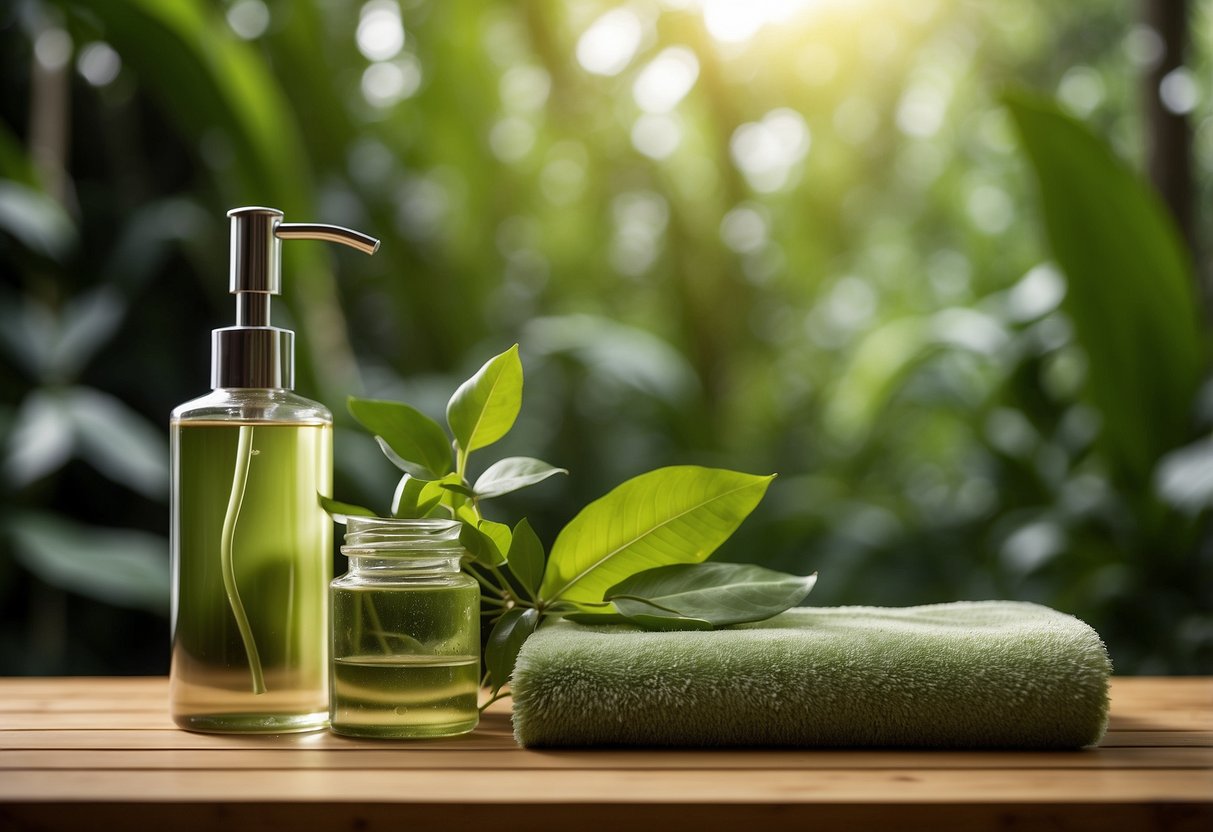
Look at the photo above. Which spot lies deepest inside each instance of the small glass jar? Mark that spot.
(406, 632)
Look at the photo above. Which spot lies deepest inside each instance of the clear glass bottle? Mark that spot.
(252, 549)
(406, 632)
(252, 559)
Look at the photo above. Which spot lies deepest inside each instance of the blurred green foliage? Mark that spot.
(802, 237)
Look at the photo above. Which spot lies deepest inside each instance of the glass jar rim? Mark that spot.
(400, 537)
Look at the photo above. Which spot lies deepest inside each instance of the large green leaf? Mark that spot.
(671, 515)
(485, 406)
(718, 593)
(414, 438)
(1131, 291)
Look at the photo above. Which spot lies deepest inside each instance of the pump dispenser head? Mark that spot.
(252, 353)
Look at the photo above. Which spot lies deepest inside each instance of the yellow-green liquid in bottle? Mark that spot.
(252, 562)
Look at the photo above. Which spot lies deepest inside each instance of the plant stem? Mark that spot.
(484, 582)
(499, 695)
(244, 454)
(507, 591)
(376, 625)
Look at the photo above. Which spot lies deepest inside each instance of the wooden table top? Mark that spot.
(103, 752)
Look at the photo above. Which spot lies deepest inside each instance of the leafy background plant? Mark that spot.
(832, 257)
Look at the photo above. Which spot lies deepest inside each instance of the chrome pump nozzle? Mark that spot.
(252, 353)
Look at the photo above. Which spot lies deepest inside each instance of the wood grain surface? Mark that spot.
(102, 753)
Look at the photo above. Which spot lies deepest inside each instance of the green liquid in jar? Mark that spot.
(405, 696)
(406, 657)
(281, 563)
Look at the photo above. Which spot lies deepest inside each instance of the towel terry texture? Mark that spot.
(989, 674)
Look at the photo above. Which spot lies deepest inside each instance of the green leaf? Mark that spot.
(124, 567)
(340, 512)
(414, 469)
(485, 406)
(480, 546)
(665, 622)
(671, 515)
(409, 433)
(416, 497)
(1185, 477)
(719, 594)
(875, 370)
(41, 438)
(614, 355)
(1130, 286)
(458, 488)
(86, 323)
(36, 220)
(499, 533)
(119, 442)
(52, 423)
(506, 639)
(526, 557)
(598, 619)
(404, 500)
(511, 474)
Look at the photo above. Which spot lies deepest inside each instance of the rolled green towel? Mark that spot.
(989, 674)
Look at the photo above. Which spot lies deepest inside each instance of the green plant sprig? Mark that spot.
(634, 556)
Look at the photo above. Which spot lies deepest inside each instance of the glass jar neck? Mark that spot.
(397, 566)
(390, 547)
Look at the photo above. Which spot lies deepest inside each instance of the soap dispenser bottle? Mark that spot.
(251, 546)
